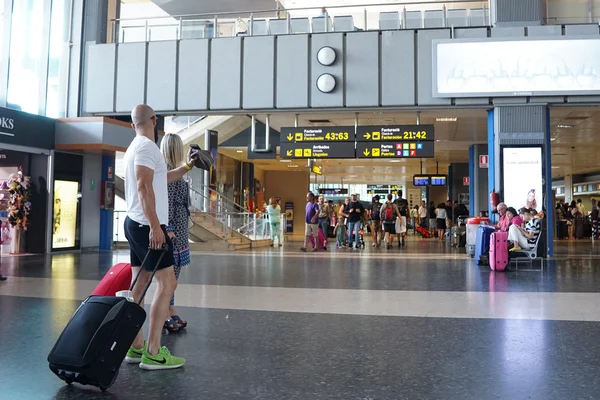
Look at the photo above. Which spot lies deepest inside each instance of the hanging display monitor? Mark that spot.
(522, 177)
(438, 180)
(64, 221)
(420, 180)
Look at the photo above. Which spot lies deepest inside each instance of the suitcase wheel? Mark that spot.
(103, 388)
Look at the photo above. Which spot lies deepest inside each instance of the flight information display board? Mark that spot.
(423, 133)
(403, 149)
(318, 134)
(392, 141)
(317, 150)
(382, 189)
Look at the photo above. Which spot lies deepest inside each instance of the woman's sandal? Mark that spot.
(171, 325)
(180, 323)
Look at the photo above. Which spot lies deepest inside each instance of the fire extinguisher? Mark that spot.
(494, 200)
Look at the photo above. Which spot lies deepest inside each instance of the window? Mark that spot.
(58, 59)
(1, 26)
(26, 55)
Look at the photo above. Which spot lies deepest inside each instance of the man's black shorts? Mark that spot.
(389, 227)
(138, 237)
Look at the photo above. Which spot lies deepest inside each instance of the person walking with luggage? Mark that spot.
(274, 211)
(146, 193)
(173, 151)
(401, 222)
(311, 226)
(389, 215)
(374, 213)
(324, 219)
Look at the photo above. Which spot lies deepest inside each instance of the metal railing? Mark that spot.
(180, 123)
(411, 15)
(232, 216)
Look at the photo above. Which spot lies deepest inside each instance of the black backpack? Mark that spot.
(376, 210)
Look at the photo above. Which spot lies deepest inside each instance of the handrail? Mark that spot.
(234, 206)
(189, 124)
(235, 13)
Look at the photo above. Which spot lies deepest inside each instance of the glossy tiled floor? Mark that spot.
(419, 323)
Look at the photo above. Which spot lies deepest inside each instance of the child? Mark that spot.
(340, 233)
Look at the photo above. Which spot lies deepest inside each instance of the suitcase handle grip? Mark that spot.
(165, 248)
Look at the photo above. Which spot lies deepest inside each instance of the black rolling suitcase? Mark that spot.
(95, 341)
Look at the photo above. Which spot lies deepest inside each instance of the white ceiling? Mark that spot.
(452, 142)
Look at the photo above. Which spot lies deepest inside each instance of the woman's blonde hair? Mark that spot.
(171, 147)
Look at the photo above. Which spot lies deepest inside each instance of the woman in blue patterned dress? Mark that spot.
(173, 150)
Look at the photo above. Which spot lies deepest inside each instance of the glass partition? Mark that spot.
(26, 55)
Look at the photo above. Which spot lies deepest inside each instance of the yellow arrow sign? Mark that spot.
(289, 153)
(290, 137)
(367, 136)
(366, 152)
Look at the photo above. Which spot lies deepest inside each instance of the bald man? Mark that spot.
(504, 222)
(146, 179)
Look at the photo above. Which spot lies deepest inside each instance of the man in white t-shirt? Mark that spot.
(146, 179)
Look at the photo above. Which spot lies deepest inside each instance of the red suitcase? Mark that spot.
(116, 279)
(499, 251)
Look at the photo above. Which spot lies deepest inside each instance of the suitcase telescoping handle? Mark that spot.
(162, 254)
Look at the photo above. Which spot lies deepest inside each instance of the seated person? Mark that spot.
(504, 222)
(513, 216)
(525, 238)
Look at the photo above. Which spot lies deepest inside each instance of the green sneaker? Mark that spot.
(134, 356)
(163, 360)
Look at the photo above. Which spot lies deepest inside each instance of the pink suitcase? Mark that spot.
(321, 242)
(499, 251)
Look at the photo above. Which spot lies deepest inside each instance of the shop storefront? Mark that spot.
(26, 147)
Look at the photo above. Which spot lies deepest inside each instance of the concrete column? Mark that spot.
(568, 188)
(522, 126)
